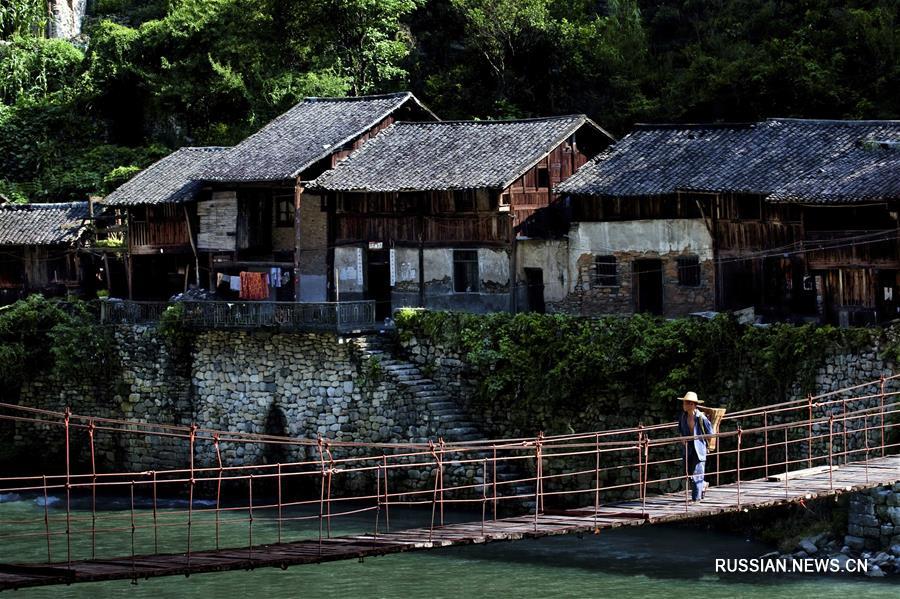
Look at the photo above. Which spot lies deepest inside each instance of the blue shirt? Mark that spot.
(700, 420)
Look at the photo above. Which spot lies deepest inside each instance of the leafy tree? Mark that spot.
(22, 17)
(159, 74)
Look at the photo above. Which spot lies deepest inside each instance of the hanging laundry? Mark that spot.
(234, 283)
(254, 285)
(220, 278)
(275, 276)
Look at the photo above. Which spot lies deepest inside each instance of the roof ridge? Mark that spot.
(835, 121)
(496, 121)
(203, 148)
(356, 98)
(724, 125)
(29, 205)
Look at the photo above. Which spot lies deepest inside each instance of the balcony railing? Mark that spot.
(279, 316)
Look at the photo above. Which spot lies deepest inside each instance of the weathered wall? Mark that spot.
(666, 240)
(551, 256)
(313, 249)
(150, 384)
(300, 385)
(873, 520)
(350, 272)
(493, 273)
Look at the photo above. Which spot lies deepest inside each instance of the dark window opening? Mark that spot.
(464, 201)
(543, 177)
(465, 271)
(284, 212)
(689, 271)
(605, 274)
(749, 208)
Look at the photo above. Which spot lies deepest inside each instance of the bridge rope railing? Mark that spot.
(336, 478)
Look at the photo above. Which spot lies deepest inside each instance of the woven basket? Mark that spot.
(715, 416)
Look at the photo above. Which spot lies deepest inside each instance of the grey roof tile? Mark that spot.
(169, 180)
(866, 173)
(43, 224)
(305, 134)
(751, 158)
(449, 155)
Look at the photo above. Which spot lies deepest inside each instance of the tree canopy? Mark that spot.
(153, 75)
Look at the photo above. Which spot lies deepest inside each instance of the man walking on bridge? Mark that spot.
(694, 423)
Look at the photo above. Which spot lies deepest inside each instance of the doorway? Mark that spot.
(886, 298)
(534, 279)
(378, 282)
(648, 287)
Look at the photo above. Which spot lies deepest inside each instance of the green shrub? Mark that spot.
(39, 335)
(550, 371)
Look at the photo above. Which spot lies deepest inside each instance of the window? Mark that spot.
(464, 201)
(284, 212)
(605, 274)
(543, 177)
(749, 208)
(689, 271)
(465, 271)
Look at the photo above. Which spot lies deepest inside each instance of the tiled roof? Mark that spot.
(303, 135)
(169, 180)
(42, 224)
(866, 173)
(449, 155)
(751, 158)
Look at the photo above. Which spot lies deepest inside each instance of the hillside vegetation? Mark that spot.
(79, 117)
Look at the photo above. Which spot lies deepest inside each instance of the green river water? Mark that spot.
(658, 561)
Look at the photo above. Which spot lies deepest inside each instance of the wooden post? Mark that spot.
(331, 235)
(298, 195)
(106, 272)
(420, 220)
(513, 295)
(187, 220)
(128, 275)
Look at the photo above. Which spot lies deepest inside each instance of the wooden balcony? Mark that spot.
(150, 237)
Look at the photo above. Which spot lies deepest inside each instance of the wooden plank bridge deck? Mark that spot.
(754, 494)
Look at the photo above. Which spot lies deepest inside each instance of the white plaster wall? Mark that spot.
(493, 266)
(660, 236)
(651, 236)
(438, 264)
(348, 276)
(406, 265)
(551, 256)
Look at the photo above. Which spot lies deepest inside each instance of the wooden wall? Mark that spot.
(151, 228)
(533, 190)
(435, 217)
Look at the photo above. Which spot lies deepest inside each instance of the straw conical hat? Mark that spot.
(690, 396)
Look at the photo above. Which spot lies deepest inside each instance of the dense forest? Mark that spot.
(146, 76)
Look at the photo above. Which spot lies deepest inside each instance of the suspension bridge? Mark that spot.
(793, 451)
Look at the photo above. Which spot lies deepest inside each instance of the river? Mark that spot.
(625, 563)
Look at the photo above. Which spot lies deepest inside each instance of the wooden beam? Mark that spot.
(128, 275)
(421, 224)
(298, 197)
(187, 220)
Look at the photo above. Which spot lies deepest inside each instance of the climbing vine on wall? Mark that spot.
(558, 371)
(40, 336)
